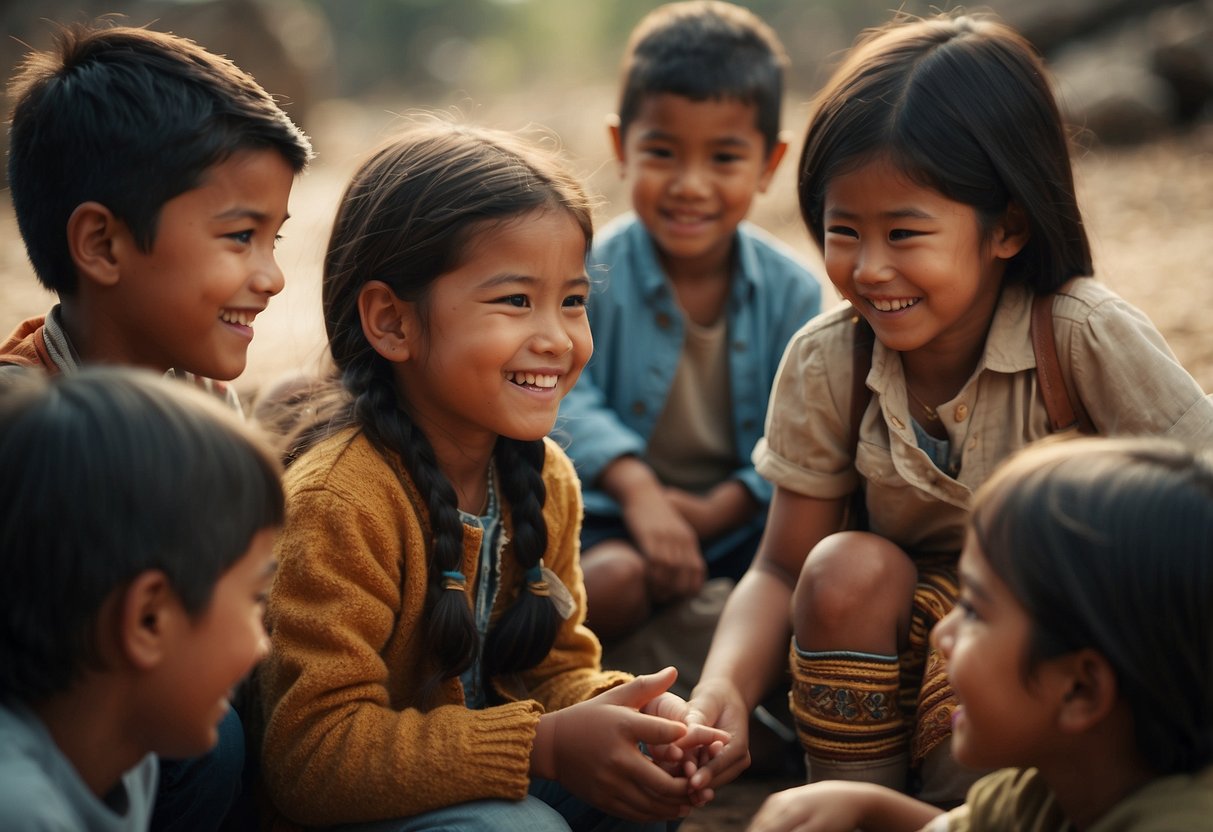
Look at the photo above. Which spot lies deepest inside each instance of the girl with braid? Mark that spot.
(430, 669)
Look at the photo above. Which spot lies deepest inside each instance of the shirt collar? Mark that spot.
(652, 275)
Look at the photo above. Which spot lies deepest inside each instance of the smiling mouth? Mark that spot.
(239, 317)
(892, 305)
(533, 381)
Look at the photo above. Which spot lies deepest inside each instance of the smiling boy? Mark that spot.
(690, 319)
(150, 178)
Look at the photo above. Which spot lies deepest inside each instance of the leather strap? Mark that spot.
(1063, 414)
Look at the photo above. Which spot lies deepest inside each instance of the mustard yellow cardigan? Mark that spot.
(344, 739)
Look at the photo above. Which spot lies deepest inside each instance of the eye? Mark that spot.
(242, 237)
(843, 231)
(726, 158)
(903, 234)
(575, 301)
(967, 608)
(658, 152)
(518, 301)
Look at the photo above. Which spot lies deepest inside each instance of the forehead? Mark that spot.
(677, 116)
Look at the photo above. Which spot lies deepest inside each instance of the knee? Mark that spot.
(849, 574)
(614, 568)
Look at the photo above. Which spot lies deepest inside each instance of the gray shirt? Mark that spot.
(40, 790)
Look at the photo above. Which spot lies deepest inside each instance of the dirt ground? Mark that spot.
(1149, 210)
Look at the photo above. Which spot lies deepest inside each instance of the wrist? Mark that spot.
(543, 750)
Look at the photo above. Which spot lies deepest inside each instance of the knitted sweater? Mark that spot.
(345, 739)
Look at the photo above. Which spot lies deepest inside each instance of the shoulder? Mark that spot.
(30, 797)
(624, 232)
(1012, 798)
(1082, 297)
(828, 338)
(558, 471)
(345, 465)
(19, 348)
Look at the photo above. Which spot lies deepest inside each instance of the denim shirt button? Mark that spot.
(740, 346)
(638, 407)
(663, 320)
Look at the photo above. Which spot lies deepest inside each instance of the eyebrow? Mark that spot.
(974, 586)
(898, 214)
(509, 278)
(240, 213)
(725, 141)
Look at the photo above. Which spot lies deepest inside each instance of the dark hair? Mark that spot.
(963, 106)
(705, 49)
(409, 216)
(129, 118)
(109, 473)
(1108, 544)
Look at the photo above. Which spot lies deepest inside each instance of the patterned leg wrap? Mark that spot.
(846, 707)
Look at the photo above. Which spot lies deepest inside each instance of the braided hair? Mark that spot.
(406, 219)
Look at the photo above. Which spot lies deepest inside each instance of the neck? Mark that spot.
(91, 727)
(1097, 774)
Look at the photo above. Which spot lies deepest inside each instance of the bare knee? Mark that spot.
(854, 592)
(616, 594)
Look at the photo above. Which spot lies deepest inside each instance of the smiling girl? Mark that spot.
(936, 179)
(430, 669)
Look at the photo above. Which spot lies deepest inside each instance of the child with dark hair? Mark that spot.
(430, 667)
(690, 318)
(936, 179)
(150, 179)
(1080, 651)
(137, 539)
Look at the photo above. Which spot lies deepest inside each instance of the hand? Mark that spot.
(718, 703)
(699, 739)
(676, 568)
(840, 806)
(592, 748)
(728, 506)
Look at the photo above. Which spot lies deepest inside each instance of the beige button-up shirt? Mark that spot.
(1114, 359)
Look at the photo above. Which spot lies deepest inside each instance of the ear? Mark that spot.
(91, 235)
(1012, 232)
(386, 320)
(772, 164)
(150, 613)
(616, 134)
(1089, 692)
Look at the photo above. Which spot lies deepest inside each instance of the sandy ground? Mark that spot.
(1149, 210)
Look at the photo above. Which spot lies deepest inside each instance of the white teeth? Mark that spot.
(237, 316)
(892, 305)
(531, 379)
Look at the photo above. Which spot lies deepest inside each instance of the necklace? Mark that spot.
(931, 413)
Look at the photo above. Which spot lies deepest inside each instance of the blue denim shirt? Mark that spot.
(638, 334)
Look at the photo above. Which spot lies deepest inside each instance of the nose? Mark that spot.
(552, 334)
(691, 181)
(943, 634)
(871, 264)
(268, 278)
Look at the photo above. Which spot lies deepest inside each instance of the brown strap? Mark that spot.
(1063, 415)
(861, 363)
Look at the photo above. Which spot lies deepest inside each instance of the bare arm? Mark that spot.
(750, 647)
(728, 506)
(837, 806)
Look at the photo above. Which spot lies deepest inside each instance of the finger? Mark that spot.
(642, 690)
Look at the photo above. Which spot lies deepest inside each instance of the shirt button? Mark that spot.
(663, 320)
(962, 412)
(747, 424)
(973, 443)
(638, 407)
(739, 346)
(897, 423)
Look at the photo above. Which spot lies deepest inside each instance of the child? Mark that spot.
(1081, 651)
(690, 319)
(429, 661)
(138, 544)
(936, 178)
(150, 179)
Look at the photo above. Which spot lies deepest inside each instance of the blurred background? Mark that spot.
(1135, 78)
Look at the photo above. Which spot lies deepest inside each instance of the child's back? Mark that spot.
(691, 312)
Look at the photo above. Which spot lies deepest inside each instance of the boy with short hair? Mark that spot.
(137, 538)
(150, 178)
(690, 320)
